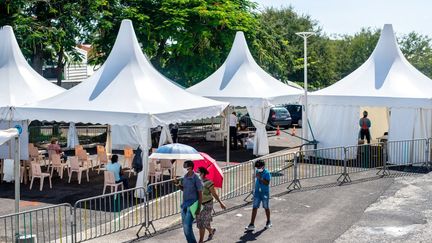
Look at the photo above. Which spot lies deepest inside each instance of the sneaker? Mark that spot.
(250, 227)
(268, 225)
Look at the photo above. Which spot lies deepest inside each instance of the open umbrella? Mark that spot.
(176, 151)
(215, 172)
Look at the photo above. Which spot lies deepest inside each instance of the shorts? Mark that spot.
(261, 197)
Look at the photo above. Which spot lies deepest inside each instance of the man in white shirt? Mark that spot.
(233, 129)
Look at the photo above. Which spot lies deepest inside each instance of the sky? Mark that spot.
(349, 16)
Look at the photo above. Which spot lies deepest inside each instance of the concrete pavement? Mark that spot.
(316, 214)
(402, 214)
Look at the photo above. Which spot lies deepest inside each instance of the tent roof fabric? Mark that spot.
(19, 83)
(385, 79)
(6, 135)
(242, 82)
(126, 90)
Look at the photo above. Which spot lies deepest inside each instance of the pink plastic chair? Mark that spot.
(102, 161)
(109, 180)
(154, 174)
(57, 165)
(75, 167)
(37, 173)
(128, 158)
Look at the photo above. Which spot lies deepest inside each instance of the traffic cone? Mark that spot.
(293, 131)
(277, 130)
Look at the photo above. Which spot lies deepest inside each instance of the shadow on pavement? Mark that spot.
(250, 236)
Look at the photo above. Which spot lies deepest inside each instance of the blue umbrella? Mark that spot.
(176, 151)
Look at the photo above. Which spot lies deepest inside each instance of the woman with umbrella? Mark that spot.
(204, 218)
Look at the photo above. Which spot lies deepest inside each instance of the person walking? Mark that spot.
(116, 169)
(205, 217)
(365, 125)
(261, 194)
(233, 129)
(192, 186)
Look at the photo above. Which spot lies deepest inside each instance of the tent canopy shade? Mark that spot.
(385, 79)
(126, 90)
(242, 82)
(19, 83)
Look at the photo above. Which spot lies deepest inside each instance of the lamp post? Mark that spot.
(305, 125)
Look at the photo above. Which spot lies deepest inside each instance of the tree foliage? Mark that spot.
(187, 40)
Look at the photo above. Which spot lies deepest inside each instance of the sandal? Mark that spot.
(210, 237)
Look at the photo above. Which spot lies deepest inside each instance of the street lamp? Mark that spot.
(305, 125)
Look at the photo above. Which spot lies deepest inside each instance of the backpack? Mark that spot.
(137, 161)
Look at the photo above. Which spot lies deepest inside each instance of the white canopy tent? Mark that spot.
(128, 91)
(242, 82)
(386, 80)
(12, 165)
(19, 85)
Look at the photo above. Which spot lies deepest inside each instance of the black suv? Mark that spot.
(296, 114)
(279, 116)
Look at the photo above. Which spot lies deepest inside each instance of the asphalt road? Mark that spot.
(318, 214)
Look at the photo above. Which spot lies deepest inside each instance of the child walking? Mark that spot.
(261, 194)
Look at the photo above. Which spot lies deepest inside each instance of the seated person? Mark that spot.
(243, 136)
(54, 146)
(116, 169)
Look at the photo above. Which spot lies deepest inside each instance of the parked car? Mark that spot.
(279, 116)
(296, 114)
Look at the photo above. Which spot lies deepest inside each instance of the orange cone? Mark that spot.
(277, 130)
(293, 131)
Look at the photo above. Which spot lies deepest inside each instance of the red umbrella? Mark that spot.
(215, 172)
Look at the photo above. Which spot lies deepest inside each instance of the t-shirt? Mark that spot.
(260, 188)
(364, 123)
(233, 120)
(191, 186)
(54, 147)
(115, 169)
(206, 194)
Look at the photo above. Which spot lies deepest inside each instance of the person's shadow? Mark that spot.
(250, 236)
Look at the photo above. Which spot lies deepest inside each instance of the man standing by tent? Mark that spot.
(233, 129)
(365, 124)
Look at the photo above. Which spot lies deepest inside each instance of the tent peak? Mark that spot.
(385, 54)
(126, 51)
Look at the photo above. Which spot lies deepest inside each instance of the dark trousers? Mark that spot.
(124, 181)
(233, 136)
(365, 133)
(174, 135)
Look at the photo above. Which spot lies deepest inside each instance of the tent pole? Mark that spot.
(228, 143)
(10, 142)
(17, 182)
(108, 146)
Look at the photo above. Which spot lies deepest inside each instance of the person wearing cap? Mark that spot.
(192, 187)
(365, 125)
(261, 194)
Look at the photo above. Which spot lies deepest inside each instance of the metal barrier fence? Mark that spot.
(109, 213)
(106, 214)
(320, 162)
(48, 224)
(408, 152)
(163, 199)
(365, 157)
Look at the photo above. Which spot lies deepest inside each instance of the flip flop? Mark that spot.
(210, 237)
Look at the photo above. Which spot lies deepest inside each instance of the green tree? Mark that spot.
(279, 50)
(48, 31)
(418, 50)
(186, 40)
